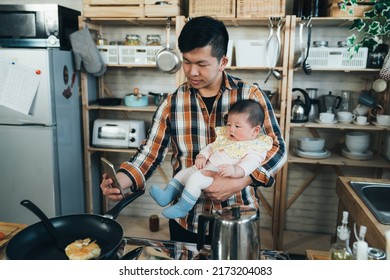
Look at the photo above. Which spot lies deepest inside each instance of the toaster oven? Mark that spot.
(118, 133)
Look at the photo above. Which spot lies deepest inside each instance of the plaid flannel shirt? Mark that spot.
(183, 124)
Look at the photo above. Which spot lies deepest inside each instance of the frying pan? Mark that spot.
(36, 243)
(167, 60)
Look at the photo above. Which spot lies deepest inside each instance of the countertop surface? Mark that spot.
(359, 212)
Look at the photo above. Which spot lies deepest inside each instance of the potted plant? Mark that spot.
(372, 28)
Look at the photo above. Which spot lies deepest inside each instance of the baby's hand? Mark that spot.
(226, 170)
(200, 162)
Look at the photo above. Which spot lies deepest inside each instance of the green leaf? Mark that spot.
(369, 43)
(343, 7)
(358, 24)
(351, 40)
(374, 28)
(370, 14)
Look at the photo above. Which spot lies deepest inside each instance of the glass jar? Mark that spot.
(153, 40)
(133, 40)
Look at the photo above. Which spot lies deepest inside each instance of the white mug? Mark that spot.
(361, 110)
(326, 117)
(383, 119)
(361, 119)
(345, 116)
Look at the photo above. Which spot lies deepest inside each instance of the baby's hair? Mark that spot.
(252, 108)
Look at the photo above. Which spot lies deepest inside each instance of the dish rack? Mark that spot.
(138, 54)
(337, 58)
(109, 54)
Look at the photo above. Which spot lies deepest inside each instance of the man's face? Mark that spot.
(202, 69)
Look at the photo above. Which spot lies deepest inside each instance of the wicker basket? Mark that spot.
(261, 8)
(214, 8)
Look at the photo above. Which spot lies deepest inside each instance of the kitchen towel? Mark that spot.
(86, 52)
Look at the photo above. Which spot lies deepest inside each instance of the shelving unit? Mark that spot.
(336, 161)
(269, 202)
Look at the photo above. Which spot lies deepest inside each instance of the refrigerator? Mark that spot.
(41, 154)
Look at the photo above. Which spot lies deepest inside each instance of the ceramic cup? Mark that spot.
(345, 116)
(366, 98)
(326, 117)
(361, 110)
(383, 119)
(361, 120)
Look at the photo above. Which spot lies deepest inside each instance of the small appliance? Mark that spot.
(118, 133)
(37, 26)
(300, 110)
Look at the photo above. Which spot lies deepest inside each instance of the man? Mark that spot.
(186, 122)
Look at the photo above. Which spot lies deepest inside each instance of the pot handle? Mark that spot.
(338, 102)
(114, 212)
(203, 221)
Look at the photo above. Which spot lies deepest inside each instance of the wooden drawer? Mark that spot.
(113, 9)
(170, 9)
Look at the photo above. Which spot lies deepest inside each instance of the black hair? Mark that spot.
(252, 108)
(203, 31)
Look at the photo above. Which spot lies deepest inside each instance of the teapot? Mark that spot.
(300, 110)
(234, 232)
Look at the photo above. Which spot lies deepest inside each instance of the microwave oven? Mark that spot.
(37, 26)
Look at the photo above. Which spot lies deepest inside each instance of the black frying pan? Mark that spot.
(36, 243)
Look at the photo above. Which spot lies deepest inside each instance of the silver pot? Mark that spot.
(158, 97)
(235, 234)
(168, 60)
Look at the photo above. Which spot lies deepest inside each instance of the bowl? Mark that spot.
(357, 141)
(132, 100)
(311, 144)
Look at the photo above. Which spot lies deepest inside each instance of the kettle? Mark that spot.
(234, 232)
(300, 110)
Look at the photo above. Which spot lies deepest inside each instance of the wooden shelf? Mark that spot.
(337, 159)
(150, 108)
(341, 126)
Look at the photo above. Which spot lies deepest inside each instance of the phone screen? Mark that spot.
(109, 169)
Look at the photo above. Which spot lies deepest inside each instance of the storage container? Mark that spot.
(138, 54)
(168, 8)
(109, 54)
(337, 58)
(113, 9)
(214, 8)
(261, 8)
(251, 53)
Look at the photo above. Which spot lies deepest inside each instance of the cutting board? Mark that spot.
(9, 229)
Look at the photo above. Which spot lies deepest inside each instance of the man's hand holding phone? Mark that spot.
(109, 170)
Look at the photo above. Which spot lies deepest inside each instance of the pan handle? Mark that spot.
(114, 212)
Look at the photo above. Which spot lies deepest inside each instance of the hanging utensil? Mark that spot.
(167, 60)
(305, 65)
(272, 71)
(301, 57)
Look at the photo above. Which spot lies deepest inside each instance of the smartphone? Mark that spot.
(109, 169)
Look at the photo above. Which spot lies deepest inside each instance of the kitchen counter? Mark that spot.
(359, 213)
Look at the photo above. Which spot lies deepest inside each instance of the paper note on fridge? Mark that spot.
(18, 86)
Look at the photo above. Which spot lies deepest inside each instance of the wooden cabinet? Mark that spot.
(310, 170)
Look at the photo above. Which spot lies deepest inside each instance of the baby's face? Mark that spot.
(239, 129)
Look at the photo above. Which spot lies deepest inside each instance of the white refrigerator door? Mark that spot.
(41, 108)
(27, 171)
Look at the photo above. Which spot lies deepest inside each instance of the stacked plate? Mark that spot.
(310, 147)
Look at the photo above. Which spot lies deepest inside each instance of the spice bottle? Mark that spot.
(154, 223)
(341, 250)
(153, 40)
(133, 40)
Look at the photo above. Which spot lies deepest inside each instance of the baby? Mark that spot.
(237, 151)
